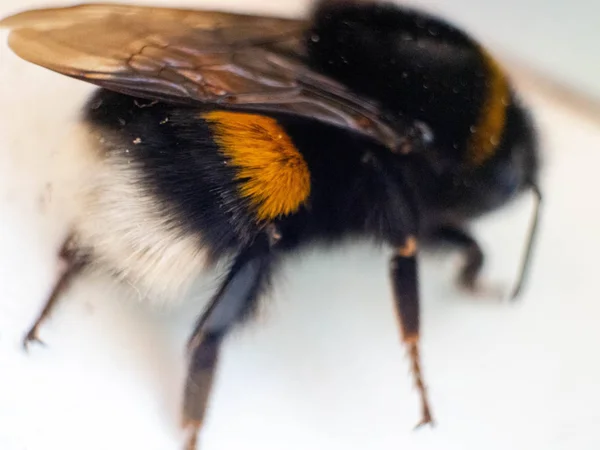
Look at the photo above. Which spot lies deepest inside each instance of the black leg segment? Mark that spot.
(235, 299)
(474, 255)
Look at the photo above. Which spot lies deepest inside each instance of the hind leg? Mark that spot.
(71, 265)
(237, 295)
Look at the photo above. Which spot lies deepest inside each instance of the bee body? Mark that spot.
(173, 189)
(217, 136)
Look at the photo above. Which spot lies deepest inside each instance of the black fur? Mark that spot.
(417, 66)
(457, 193)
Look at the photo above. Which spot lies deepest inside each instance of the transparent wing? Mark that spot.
(180, 55)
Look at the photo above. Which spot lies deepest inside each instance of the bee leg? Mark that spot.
(234, 300)
(70, 266)
(474, 255)
(469, 276)
(404, 275)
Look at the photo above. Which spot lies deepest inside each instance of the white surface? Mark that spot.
(322, 368)
(557, 36)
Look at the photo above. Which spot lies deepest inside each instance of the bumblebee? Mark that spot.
(216, 136)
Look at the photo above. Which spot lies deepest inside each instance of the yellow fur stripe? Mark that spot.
(487, 132)
(272, 172)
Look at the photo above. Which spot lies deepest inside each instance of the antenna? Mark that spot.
(525, 263)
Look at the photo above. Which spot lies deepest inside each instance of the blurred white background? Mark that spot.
(322, 367)
(556, 36)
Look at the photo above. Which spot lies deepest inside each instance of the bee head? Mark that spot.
(420, 67)
(468, 191)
